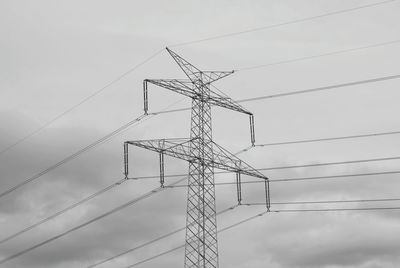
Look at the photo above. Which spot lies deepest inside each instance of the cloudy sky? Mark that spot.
(54, 54)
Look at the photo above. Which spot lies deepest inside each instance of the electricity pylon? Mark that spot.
(203, 155)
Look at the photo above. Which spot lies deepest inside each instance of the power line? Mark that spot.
(183, 109)
(250, 204)
(285, 167)
(156, 256)
(326, 202)
(337, 52)
(333, 163)
(73, 156)
(330, 138)
(59, 213)
(108, 136)
(181, 246)
(105, 138)
(111, 186)
(45, 125)
(335, 209)
(281, 24)
(150, 242)
(337, 176)
(310, 90)
(301, 178)
(354, 83)
(72, 206)
(108, 213)
(180, 175)
(262, 214)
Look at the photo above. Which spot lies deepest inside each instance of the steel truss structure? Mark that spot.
(203, 155)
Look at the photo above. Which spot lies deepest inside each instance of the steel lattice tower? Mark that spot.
(203, 155)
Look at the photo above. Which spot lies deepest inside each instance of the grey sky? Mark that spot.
(54, 54)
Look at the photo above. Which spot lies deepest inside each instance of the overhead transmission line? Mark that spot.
(22, 139)
(164, 111)
(175, 184)
(338, 176)
(329, 139)
(337, 52)
(300, 178)
(89, 147)
(335, 209)
(150, 193)
(151, 241)
(181, 246)
(244, 204)
(331, 163)
(61, 212)
(326, 202)
(324, 88)
(72, 206)
(108, 213)
(285, 167)
(305, 91)
(84, 100)
(125, 126)
(113, 185)
(73, 156)
(263, 28)
(184, 109)
(262, 214)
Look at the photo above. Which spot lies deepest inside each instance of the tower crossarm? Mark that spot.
(226, 102)
(184, 87)
(224, 156)
(180, 148)
(187, 88)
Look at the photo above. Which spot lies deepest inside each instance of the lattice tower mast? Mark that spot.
(203, 155)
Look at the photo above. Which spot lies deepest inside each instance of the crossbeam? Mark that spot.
(181, 148)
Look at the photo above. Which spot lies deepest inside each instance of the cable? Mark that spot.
(102, 191)
(111, 186)
(355, 83)
(337, 176)
(80, 103)
(300, 178)
(285, 167)
(325, 202)
(176, 110)
(330, 139)
(181, 246)
(40, 222)
(332, 163)
(262, 214)
(73, 156)
(281, 24)
(290, 93)
(180, 175)
(336, 209)
(337, 52)
(106, 138)
(110, 212)
(151, 241)
(156, 256)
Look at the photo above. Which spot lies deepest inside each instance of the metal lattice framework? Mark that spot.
(203, 155)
